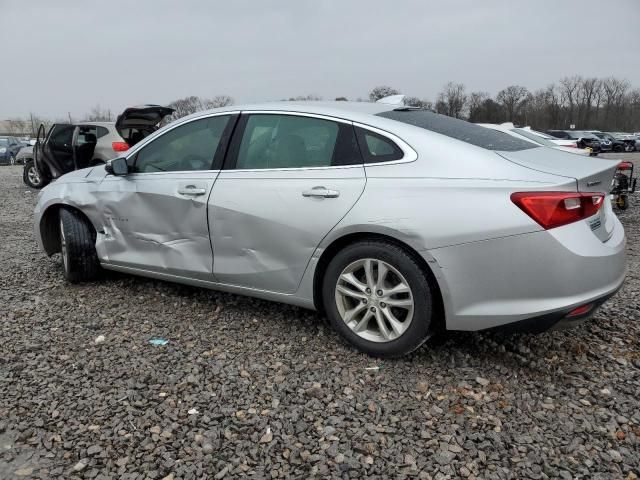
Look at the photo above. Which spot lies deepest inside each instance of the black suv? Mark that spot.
(583, 139)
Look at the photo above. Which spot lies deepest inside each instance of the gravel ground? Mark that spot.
(247, 387)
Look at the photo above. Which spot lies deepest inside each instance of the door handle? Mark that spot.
(321, 192)
(192, 191)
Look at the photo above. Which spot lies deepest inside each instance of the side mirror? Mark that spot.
(117, 166)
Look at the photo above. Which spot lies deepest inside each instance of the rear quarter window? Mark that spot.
(459, 129)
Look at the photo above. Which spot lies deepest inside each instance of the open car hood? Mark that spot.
(142, 116)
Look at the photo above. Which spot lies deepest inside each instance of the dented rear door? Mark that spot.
(275, 201)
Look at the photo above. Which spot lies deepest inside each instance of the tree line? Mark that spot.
(607, 104)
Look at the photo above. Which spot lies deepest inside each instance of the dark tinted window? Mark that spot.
(188, 147)
(459, 129)
(291, 141)
(62, 134)
(377, 148)
(101, 131)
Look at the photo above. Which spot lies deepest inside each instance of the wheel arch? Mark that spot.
(49, 229)
(341, 242)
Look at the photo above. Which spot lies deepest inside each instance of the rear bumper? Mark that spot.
(534, 278)
(554, 320)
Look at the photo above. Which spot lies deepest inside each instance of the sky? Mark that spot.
(68, 56)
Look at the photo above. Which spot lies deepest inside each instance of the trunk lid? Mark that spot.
(591, 174)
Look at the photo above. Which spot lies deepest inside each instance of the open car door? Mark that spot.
(55, 153)
(136, 123)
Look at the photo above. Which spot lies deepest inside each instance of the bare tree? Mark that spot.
(192, 104)
(382, 91)
(452, 100)
(418, 102)
(341, 99)
(218, 101)
(614, 92)
(476, 102)
(97, 114)
(305, 98)
(513, 99)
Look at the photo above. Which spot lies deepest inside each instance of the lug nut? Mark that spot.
(382, 304)
(379, 292)
(373, 309)
(364, 300)
(368, 290)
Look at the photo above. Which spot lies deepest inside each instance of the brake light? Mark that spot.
(120, 146)
(554, 209)
(573, 145)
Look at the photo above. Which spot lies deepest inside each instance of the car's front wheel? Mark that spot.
(78, 247)
(378, 298)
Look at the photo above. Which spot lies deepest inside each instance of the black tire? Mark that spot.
(622, 202)
(618, 148)
(34, 181)
(78, 247)
(418, 331)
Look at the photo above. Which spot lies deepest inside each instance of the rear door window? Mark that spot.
(272, 141)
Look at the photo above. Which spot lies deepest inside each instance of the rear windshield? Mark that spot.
(459, 129)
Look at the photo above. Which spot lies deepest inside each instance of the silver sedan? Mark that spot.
(393, 222)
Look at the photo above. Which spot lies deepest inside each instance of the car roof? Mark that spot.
(356, 111)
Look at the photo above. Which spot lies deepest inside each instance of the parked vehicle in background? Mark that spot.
(338, 206)
(583, 139)
(630, 140)
(537, 138)
(562, 142)
(25, 154)
(615, 144)
(68, 147)
(9, 148)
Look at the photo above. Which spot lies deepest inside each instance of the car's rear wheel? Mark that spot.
(31, 176)
(378, 298)
(78, 247)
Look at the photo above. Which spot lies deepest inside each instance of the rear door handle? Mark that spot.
(192, 190)
(321, 192)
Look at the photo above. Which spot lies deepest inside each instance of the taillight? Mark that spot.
(573, 145)
(554, 209)
(120, 146)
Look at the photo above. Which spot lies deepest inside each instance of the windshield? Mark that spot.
(459, 129)
(4, 141)
(536, 138)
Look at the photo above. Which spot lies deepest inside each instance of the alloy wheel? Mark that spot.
(33, 175)
(374, 300)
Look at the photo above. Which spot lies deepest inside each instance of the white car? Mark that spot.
(538, 138)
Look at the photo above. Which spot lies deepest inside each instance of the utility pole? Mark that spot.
(69, 113)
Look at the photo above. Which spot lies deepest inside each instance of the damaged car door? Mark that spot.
(288, 180)
(155, 217)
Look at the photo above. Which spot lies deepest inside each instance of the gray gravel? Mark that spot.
(247, 387)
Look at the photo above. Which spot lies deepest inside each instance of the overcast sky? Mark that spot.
(67, 56)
